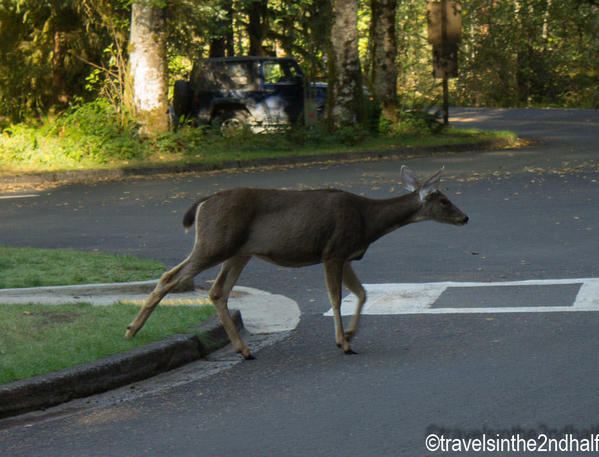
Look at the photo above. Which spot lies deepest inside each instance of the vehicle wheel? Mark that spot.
(181, 100)
(231, 122)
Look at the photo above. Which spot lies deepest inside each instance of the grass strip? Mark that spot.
(273, 145)
(49, 152)
(32, 267)
(38, 339)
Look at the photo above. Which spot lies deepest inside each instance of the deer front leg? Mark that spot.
(334, 274)
(219, 295)
(352, 282)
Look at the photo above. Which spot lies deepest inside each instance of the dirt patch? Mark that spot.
(48, 318)
(107, 416)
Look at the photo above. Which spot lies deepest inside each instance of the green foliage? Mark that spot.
(410, 123)
(95, 135)
(48, 49)
(529, 52)
(85, 134)
(513, 52)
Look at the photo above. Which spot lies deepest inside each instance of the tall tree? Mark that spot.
(384, 56)
(345, 105)
(221, 42)
(257, 11)
(41, 46)
(147, 65)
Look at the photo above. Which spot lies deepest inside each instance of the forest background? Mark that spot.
(63, 56)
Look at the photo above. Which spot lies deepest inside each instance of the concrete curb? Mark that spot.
(80, 290)
(84, 175)
(51, 389)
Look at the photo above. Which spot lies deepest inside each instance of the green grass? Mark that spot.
(38, 339)
(31, 267)
(95, 136)
(295, 143)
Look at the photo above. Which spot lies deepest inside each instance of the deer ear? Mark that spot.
(406, 177)
(431, 184)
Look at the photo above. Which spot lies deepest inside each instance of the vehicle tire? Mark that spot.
(230, 122)
(181, 101)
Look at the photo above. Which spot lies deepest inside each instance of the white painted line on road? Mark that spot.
(9, 197)
(418, 298)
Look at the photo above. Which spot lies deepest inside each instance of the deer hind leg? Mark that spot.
(333, 271)
(352, 282)
(219, 295)
(168, 281)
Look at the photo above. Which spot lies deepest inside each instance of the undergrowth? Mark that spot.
(96, 135)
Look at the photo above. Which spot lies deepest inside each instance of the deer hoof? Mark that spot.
(246, 354)
(350, 352)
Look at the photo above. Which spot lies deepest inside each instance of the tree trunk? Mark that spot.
(58, 70)
(257, 10)
(147, 66)
(221, 44)
(345, 105)
(384, 54)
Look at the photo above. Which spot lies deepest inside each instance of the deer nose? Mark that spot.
(465, 220)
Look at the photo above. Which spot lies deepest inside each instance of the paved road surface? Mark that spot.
(533, 216)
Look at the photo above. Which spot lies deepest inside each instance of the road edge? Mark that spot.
(74, 176)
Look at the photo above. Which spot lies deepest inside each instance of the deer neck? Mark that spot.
(384, 216)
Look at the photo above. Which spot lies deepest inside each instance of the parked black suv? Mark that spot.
(233, 92)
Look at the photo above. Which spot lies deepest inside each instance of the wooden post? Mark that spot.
(444, 33)
(445, 76)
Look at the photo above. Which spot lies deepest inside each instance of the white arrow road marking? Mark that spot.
(418, 298)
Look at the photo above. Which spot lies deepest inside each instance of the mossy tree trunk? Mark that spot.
(384, 56)
(345, 105)
(147, 65)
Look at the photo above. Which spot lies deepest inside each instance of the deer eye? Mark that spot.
(444, 202)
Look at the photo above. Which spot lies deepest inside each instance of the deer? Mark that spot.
(296, 228)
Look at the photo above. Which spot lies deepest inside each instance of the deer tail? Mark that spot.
(190, 216)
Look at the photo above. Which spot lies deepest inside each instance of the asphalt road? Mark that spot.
(533, 215)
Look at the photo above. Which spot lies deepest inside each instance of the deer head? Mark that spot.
(434, 205)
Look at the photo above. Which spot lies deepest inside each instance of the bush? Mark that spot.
(89, 133)
(414, 122)
(98, 131)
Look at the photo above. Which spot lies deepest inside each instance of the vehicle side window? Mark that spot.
(279, 72)
(224, 76)
(238, 74)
